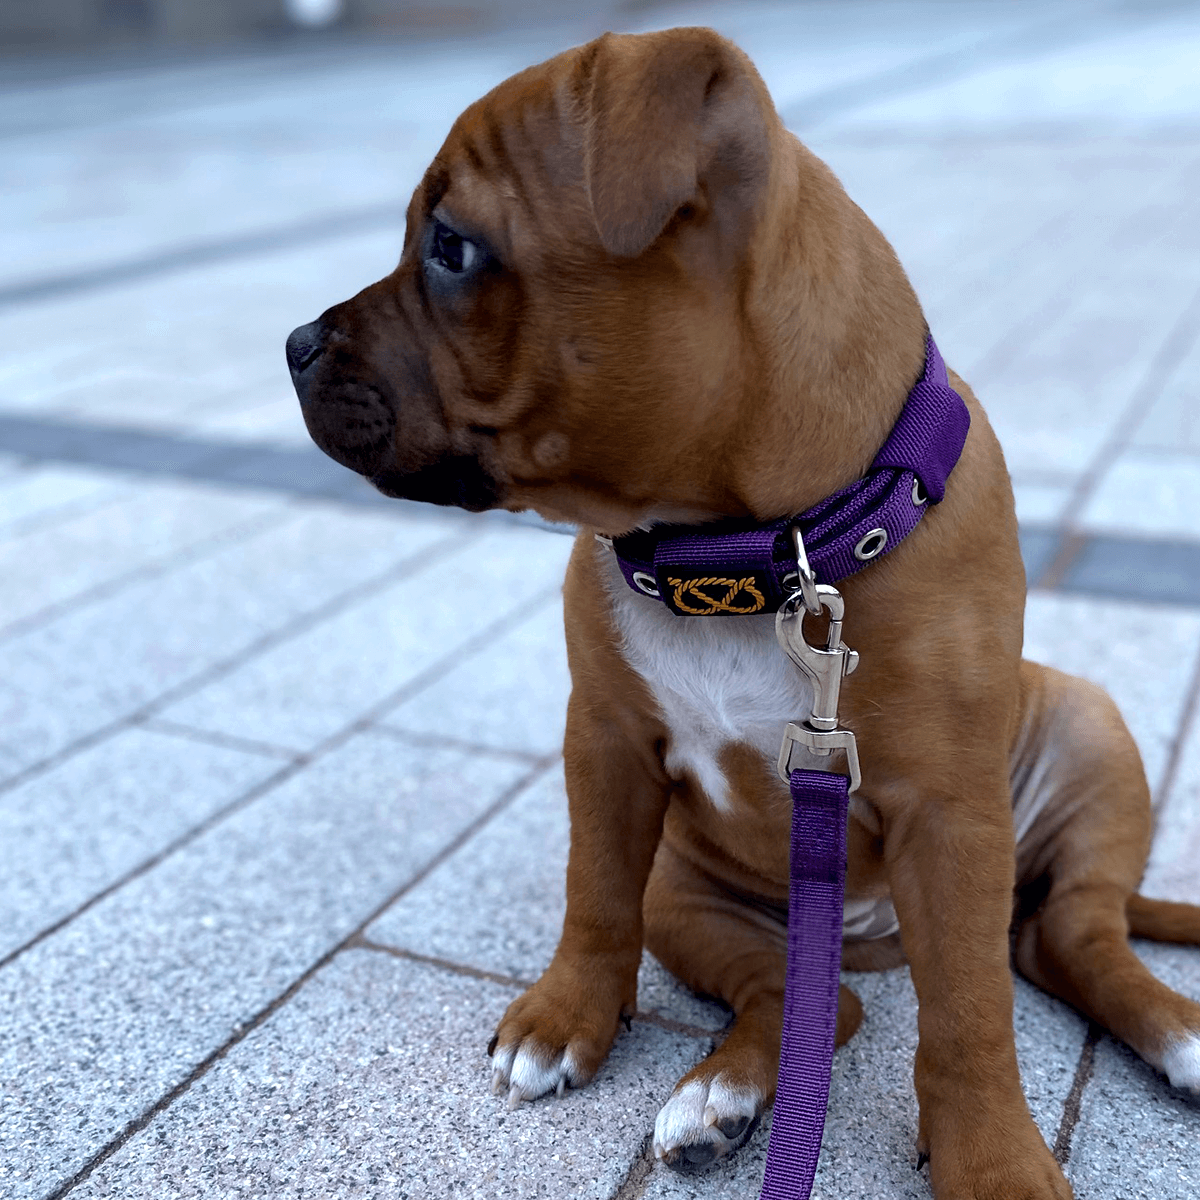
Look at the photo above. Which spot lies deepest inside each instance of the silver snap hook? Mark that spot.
(647, 584)
(919, 494)
(871, 545)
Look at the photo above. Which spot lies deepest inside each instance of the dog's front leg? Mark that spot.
(559, 1031)
(951, 867)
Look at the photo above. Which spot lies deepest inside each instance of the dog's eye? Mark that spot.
(451, 251)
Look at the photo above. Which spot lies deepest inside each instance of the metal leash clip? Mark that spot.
(825, 667)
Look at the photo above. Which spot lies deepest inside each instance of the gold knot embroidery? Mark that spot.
(689, 589)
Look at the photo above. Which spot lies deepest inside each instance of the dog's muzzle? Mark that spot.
(349, 419)
(355, 423)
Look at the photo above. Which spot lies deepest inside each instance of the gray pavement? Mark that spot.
(281, 817)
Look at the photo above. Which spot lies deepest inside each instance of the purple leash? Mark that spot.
(816, 892)
(820, 802)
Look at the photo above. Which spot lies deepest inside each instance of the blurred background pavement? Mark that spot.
(281, 817)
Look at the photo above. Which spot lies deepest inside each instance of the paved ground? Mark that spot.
(281, 825)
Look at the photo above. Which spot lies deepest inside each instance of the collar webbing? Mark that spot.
(741, 567)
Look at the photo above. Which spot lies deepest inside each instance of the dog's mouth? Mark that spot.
(352, 423)
(457, 481)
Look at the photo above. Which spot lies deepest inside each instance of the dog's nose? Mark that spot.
(304, 346)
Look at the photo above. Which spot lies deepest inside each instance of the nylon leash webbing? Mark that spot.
(820, 804)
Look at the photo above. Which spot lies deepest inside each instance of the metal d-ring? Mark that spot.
(806, 580)
(919, 494)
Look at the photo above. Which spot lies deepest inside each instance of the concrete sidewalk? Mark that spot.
(281, 817)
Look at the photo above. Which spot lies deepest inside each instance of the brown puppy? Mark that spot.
(629, 295)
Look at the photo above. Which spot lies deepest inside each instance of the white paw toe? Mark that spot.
(526, 1071)
(1181, 1062)
(702, 1122)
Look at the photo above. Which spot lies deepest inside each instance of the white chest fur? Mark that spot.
(719, 680)
(716, 679)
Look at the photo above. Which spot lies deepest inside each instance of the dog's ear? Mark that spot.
(672, 118)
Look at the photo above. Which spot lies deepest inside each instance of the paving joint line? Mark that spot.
(1031, 39)
(264, 1014)
(637, 1178)
(1019, 333)
(1166, 359)
(161, 855)
(211, 737)
(197, 551)
(646, 1015)
(1073, 1103)
(170, 260)
(1187, 721)
(415, 738)
(300, 624)
(117, 491)
(1029, 247)
(1070, 546)
(361, 724)
(652, 1017)
(1042, 478)
(362, 942)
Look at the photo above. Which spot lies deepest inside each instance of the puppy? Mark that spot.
(629, 296)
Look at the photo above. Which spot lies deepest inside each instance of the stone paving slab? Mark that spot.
(105, 661)
(1129, 78)
(190, 345)
(1174, 870)
(372, 1084)
(1102, 641)
(497, 905)
(1087, 362)
(1158, 570)
(511, 695)
(300, 691)
(99, 1021)
(1138, 1138)
(33, 496)
(1173, 421)
(1155, 493)
(76, 830)
(269, 464)
(47, 568)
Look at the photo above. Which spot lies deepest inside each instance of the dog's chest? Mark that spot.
(717, 680)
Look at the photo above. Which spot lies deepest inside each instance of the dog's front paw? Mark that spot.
(705, 1119)
(556, 1034)
(982, 1161)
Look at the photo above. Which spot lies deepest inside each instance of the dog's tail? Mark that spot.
(1163, 920)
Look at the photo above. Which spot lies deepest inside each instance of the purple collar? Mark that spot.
(741, 567)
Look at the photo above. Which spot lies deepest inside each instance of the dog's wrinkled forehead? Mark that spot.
(602, 146)
(511, 172)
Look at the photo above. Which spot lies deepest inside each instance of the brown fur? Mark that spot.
(683, 317)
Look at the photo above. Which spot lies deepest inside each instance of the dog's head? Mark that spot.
(615, 263)
(568, 284)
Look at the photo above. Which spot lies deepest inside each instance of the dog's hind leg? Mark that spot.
(1084, 823)
(722, 947)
